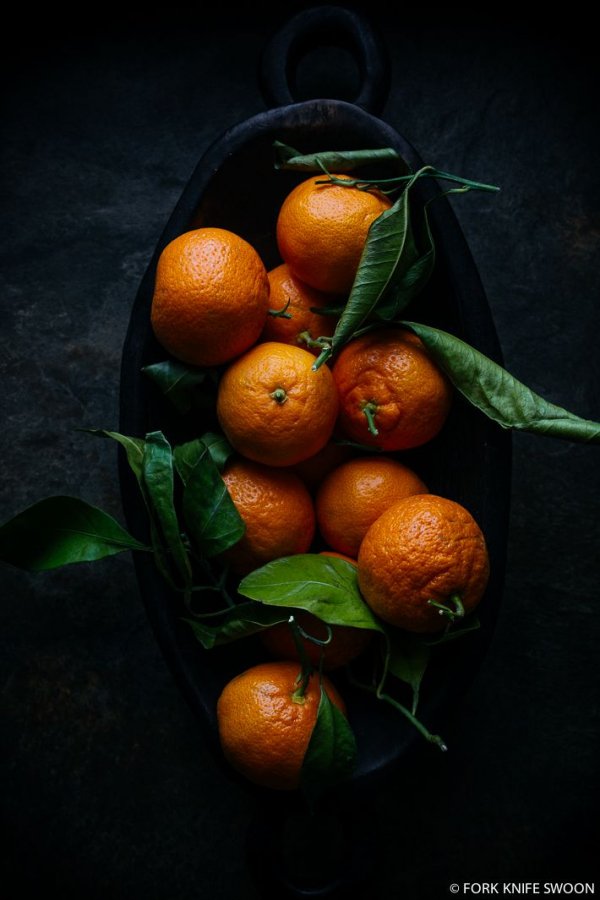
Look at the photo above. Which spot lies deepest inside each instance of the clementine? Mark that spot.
(322, 229)
(392, 394)
(424, 555)
(299, 321)
(265, 725)
(211, 296)
(274, 408)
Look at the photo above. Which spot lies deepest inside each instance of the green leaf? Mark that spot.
(58, 531)
(412, 275)
(237, 622)
(177, 381)
(323, 585)
(331, 753)
(497, 394)
(134, 448)
(333, 160)
(187, 455)
(408, 659)
(158, 480)
(210, 514)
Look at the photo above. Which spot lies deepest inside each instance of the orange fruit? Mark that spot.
(345, 645)
(423, 548)
(274, 408)
(355, 494)
(211, 296)
(322, 229)
(265, 728)
(314, 469)
(300, 324)
(277, 511)
(387, 377)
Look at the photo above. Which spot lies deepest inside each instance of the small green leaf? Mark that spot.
(497, 394)
(158, 480)
(237, 622)
(134, 448)
(471, 623)
(210, 514)
(323, 585)
(58, 531)
(331, 753)
(177, 381)
(333, 160)
(408, 659)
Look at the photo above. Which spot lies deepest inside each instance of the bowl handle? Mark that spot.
(325, 26)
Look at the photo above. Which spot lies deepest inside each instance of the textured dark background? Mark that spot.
(107, 787)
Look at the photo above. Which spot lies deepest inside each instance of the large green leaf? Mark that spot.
(497, 393)
(238, 622)
(134, 448)
(331, 753)
(323, 585)
(158, 480)
(414, 272)
(210, 514)
(187, 455)
(62, 530)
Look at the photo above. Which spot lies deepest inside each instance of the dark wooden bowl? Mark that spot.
(235, 186)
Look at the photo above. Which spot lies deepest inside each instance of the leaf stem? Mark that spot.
(281, 313)
(369, 410)
(425, 172)
(306, 671)
(457, 612)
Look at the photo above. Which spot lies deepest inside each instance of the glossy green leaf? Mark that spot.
(58, 531)
(177, 381)
(331, 753)
(323, 585)
(408, 659)
(498, 394)
(238, 622)
(210, 514)
(334, 160)
(187, 455)
(412, 274)
(158, 480)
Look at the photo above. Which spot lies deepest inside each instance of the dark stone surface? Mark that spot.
(107, 787)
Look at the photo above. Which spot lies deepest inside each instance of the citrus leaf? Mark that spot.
(158, 482)
(177, 381)
(334, 160)
(331, 753)
(413, 275)
(134, 448)
(407, 660)
(58, 531)
(238, 622)
(497, 393)
(187, 455)
(210, 514)
(323, 585)
(471, 623)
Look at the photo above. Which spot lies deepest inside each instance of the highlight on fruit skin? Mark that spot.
(392, 394)
(211, 297)
(274, 408)
(423, 564)
(265, 727)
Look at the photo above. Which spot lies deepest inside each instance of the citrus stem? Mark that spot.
(425, 172)
(279, 396)
(306, 671)
(281, 313)
(312, 343)
(457, 612)
(323, 356)
(369, 410)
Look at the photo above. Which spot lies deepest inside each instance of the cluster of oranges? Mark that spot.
(215, 305)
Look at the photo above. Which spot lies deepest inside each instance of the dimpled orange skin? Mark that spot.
(410, 395)
(355, 494)
(424, 547)
(211, 297)
(264, 732)
(297, 298)
(274, 408)
(346, 643)
(322, 229)
(277, 511)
